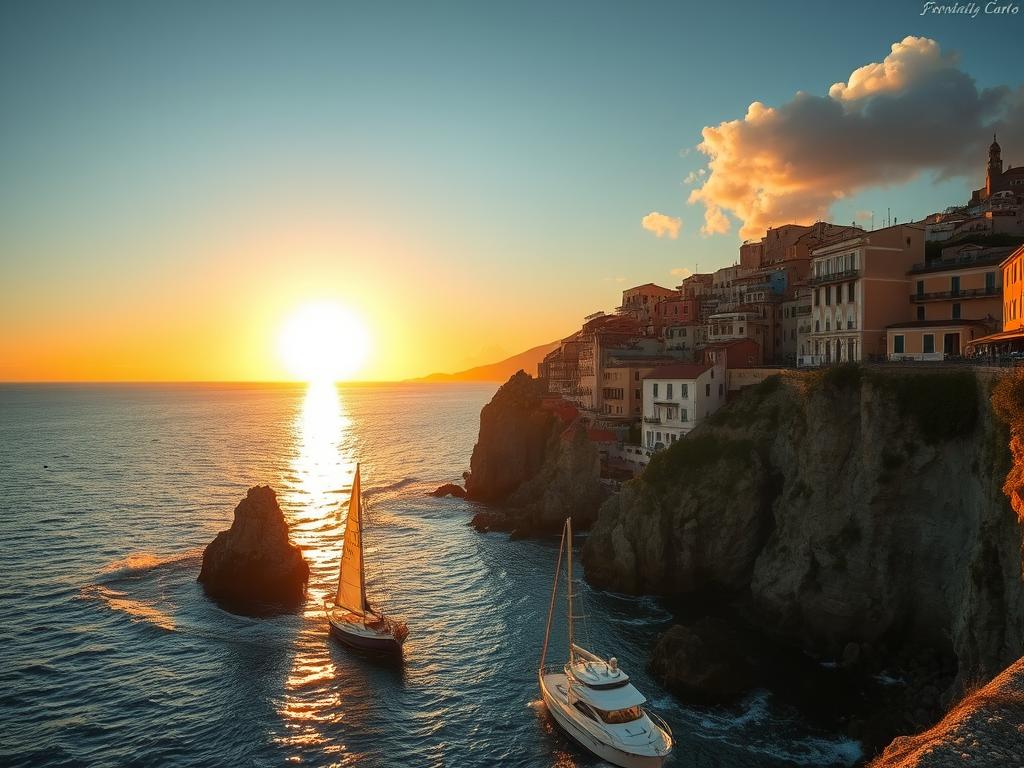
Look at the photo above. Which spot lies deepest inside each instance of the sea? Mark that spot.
(112, 655)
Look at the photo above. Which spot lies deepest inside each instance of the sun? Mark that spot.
(323, 341)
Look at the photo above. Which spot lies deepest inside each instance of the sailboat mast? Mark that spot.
(568, 545)
(362, 559)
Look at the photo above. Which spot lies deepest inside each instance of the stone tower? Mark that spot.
(995, 166)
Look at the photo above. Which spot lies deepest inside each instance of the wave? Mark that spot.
(139, 563)
(390, 488)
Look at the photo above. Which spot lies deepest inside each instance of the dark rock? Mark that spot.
(851, 654)
(253, 564)
(540, 468)
(449, 489)
(703, 663)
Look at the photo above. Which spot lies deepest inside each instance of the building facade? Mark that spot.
(676, 398)
(859, 288)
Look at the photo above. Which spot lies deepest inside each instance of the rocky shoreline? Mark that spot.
(850, 539)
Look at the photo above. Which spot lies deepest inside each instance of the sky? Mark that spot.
(469, 178)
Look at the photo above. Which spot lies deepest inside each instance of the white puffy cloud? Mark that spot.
(915, 111)
(681, 272)
(662, 225)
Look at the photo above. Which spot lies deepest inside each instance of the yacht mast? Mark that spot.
(551, 605)
(568, 544)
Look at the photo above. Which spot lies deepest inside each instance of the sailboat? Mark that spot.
(351, 617)
(592, 699)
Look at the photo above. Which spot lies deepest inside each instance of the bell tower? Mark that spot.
(995, 165)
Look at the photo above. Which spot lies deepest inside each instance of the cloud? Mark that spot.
(681, 272)
(914, 112)
(694, 176)
(662, 225)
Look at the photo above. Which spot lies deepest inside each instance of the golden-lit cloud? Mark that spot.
(910, 60)
(681, 272)
(915, 111)
(662, 225)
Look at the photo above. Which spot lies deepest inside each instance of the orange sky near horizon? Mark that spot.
(218, 317)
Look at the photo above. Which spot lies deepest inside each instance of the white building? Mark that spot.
(676, 398)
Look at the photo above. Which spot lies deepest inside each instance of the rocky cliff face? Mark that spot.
(253, 564)
(842, 512)
(984, 730)
(533, 465)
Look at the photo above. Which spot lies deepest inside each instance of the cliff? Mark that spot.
(847, 514)
(532, 463)
(984, 730)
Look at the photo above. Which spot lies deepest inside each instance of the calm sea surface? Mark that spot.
(111, 655)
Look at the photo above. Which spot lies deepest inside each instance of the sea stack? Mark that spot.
(253, 564)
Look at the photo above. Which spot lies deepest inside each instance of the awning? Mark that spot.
(996, 338)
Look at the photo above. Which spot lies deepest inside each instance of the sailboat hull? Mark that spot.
(355, 634)
(559, 708)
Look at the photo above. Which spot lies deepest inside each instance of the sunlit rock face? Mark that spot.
(253, 565)
(985, 730)
(853, 508)
(537, 465)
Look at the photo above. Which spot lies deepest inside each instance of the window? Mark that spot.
(956, 311)
(929, 343)
(849, 324)
(655, 389)
(636, 376)
(684, 391)
(990, 282)
(668, 390)
(920, 288)
(920, 313)
(828, 324)
(849, 292)
(719, 389)
(707, 390)
(828, 295)
(897, 345)
(637, 394)
(954, 286)
(817, 296)
(817, 326)
(682, 414)
(620, 716)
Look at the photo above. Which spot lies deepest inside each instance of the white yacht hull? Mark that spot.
(559, 708)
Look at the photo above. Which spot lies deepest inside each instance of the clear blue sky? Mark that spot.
(507, 144)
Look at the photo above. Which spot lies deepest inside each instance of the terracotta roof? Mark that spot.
(688, 371)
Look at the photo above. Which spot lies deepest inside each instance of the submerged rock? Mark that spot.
(703, 663)
(253, 563)
(449, 489)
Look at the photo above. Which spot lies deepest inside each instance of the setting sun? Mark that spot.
(323, 341)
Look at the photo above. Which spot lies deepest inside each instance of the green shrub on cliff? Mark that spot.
(943, 405)
(686, 457)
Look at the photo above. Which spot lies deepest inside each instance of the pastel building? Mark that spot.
(676, 398)
(956, 300)
(859, 288)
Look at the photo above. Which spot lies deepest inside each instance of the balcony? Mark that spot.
(963, 293)
(835, 277)
(652, 420)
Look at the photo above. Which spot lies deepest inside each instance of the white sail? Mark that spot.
(351, 582)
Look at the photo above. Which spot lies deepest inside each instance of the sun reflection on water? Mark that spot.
(319, 484)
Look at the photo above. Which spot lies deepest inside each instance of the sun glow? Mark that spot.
(323, 342)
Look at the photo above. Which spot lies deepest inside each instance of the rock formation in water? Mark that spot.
(533, 462)
(449, 489)
(849, 514)
(984, 730)
(253, 563)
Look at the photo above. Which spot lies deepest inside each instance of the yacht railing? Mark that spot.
(660, 722)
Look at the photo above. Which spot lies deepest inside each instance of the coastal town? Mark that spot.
(944, 290)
